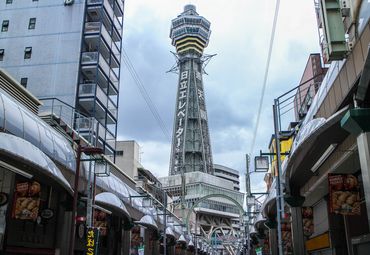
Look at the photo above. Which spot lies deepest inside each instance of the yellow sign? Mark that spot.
(92, 237)
(318, 242)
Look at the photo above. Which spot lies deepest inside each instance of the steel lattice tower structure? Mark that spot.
(191, 148)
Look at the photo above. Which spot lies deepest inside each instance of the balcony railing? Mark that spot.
(112, 109)
(88, 90)
(94, 2)
(92, 27)
(90, 58)
(109, 9)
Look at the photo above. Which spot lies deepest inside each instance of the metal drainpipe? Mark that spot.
(279, 198)
(74, 205)
(165, 223)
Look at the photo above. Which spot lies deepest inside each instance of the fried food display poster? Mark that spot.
(26, 201)
(344, 195)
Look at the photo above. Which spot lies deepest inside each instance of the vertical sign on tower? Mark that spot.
(180, 115)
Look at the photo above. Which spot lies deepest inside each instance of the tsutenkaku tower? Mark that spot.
(191, 148)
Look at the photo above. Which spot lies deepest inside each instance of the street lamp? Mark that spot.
(90, 151)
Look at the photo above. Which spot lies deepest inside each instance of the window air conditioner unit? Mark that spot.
(68, 2)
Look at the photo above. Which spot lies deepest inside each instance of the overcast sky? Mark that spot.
(240, 36)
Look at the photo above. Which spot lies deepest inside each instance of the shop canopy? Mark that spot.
(252, 230)
(191, 244)
(181, 239)
(22, 151)
(107, 199)
(269, 204)
(169, 232)
(259, 221)
(19, 121)
(147, 221)
(311, 146)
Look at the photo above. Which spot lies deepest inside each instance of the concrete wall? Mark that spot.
(129, 161)
(52, 69)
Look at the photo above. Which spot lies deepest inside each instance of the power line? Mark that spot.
(266, 74)
(153, 109)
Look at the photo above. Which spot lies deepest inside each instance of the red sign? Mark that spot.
(344, 196)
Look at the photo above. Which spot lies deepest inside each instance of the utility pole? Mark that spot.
(248, 194)
(165, 223)
(279, 196)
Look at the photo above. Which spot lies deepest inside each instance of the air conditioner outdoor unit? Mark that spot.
(140, 186)
(350, 45)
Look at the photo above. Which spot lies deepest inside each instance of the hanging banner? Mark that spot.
(92, 241)
(344, 196)
(307, 218)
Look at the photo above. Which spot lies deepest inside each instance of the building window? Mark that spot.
(5, 26)
(2, 51)
(27, 52)
(119, 153)
(32, 23)
(24, 82)
(9, 1)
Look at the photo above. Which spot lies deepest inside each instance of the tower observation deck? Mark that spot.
(191, 148)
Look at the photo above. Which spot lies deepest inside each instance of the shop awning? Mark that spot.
(169, 232)
(252, 230)
(23, 152)
(181, 239)
(147, 221)
(112, 201)
(310, 149)
(20, 121)
(269, 204)
(259, 221)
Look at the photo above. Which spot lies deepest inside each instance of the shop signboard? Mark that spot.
(92, 241)
(307, 218)
(344, 196)
(27, 201)
(259, 251)
(100, 221)
(141, 250)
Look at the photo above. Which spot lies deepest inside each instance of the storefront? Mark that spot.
(170, 242)
(111, 219)
(145, 237)
(34, 198)
(180, 248)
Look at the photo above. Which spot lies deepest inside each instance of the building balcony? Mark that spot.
(90, 61)
(96, 134)
(118, 8)
(113, 24)
(98, 38)
(92, 4)
(94, 103)
(112, 108)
